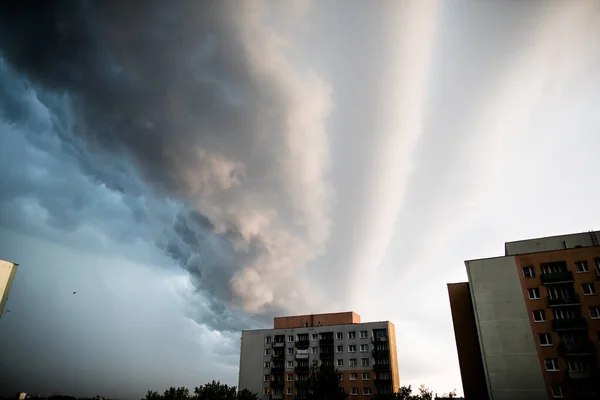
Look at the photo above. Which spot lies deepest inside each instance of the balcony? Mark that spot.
(584, 348)
(327, 340)
(569, 324)
(278, 344)
(277, 395)
(301, 382)
(380, 353)
(557, 277)
(326, 355)
(277, 384)
(381, 367)
(302, 343)
(572, 300)
(301, 356)
(379, 339)
(277, 370)
(278, 356)
(301, 369)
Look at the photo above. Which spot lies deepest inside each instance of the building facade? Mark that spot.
(276, 363)
(7, 275)
(527, 324)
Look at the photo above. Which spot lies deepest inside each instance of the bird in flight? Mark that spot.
(74, 292)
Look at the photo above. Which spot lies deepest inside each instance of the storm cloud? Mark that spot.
(202, 98)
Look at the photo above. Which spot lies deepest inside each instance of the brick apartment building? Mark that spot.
(276, 362)
(527, 324)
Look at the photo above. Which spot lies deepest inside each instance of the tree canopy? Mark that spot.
(214, 390)
(406, 393)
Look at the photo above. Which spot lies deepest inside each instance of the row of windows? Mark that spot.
(315, 350)
(572, 364)
(290, 391)
(580, 267)
(353, 362)
(568, 339)
(353, 376)
(540, 315)
(315, 336)
(589, 289)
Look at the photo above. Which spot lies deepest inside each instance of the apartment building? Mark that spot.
(276, 363)
(7, 275)
(527, 324)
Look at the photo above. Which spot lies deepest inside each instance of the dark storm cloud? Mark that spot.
(201, 97)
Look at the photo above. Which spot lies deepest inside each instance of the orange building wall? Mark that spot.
(394, 357)
(298, 321)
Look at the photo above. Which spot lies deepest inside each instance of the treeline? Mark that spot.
(214, 390)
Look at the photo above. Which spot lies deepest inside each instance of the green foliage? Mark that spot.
(325, 385)
(214, 390)
(405, 393)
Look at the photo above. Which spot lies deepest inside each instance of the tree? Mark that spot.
(325, 385)
(151, 395)
(424, 393)
(180, 393)
(215, 390)
(404, 393)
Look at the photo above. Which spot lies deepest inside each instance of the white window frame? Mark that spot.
(363, 334)
(313, 350)
(557, 392)
(529, 272)
(590, 286)
(290, 391)
(575, 365)
(364, 362)
(595, 312)
(289, 364)
(367, 391)
(265, 391)
(352, 335)
(267, 364)
(352, 362)
(554, 363)
(290, 351)
(268, 339)
(353, 376)
(351, 347)
(340, 376)
(354, 391)
(339, 362)
(581, 267)
(366, 376)
(364, 347)
(537, 294)
(339, 349)
(314, 337)
(266, 378)
(339, 335)
(290, 377)
(548, 340)
(290, 338)
(543, 314)
(267, 352)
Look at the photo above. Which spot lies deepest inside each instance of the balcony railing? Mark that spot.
(567, 324)
(278, 344)
(381, 367)
(580, 375)
(557, 277)
(327, 340)
(277, 384)
(278, 356)
(277, 370)
(327, 355)
(301, 368)
(301, 356)
(585, 347)
(302, 342)
(301, 382)
(379, 339)
(380, 353)
(571, 300)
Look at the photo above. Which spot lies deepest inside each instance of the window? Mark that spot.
(267, 352)
(339, 335)
(314, 337)
(353, 377)
(290, 364)
(313, 350)
(290, 351)
(545, 339)
(534, 293)
(276, 391)
(556, 391)
(364, 347)
(367, 391)
(595, 312)
(352, 362)
(529, 272)
(551, 364)
(352, 335)
(290, 338)
(539, 315)
(364, 362)
(554, 267)
(265, 390)
(268, 339)
(266, 378)
(340, 377)
(366, 376)
(340, 363)
(290, 391)
(290, 377)
(354, 391)
(267, 364)
(588, 289)
(581, 266)
(563, 313)
(339, 349)
(576, 365)
(352, 348)
(363, 334)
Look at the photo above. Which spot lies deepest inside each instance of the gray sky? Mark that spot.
(195, 170)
